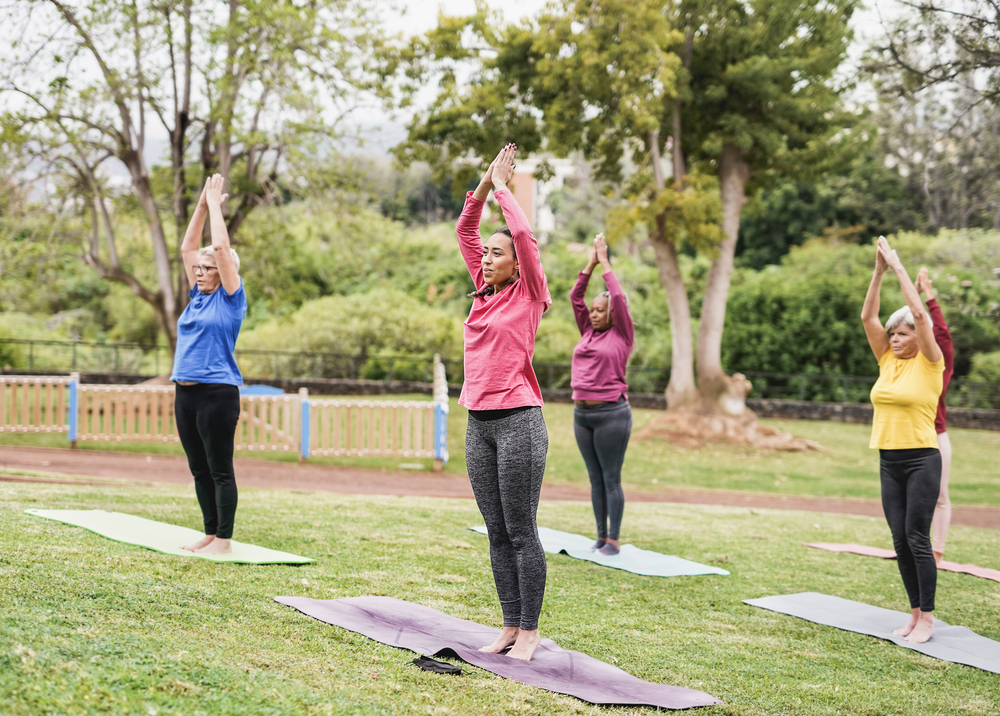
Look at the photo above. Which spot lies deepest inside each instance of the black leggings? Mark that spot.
(506, 462)
(602, 434)
(206, 416)
(911, 480)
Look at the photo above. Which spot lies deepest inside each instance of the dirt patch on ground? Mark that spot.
(362, 481)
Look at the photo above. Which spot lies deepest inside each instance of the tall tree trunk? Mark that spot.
(681, 388)
(713, 384)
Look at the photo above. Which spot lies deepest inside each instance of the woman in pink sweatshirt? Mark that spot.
(506, 441)
(602, 420)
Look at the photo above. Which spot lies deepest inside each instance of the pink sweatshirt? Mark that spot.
(500, 330)
(600, 358)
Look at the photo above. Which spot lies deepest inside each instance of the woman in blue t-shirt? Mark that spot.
(207, 400)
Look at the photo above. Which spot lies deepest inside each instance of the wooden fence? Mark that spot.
(271, 422)
(34, 404)
(393, 428)
(125, 413)
(268, 423)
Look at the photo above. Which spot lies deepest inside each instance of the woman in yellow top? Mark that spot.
(905, 398)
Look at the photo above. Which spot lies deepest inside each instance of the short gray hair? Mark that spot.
(210, 251)
(607, 295)
(903, 315)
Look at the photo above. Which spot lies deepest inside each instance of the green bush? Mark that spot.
(374, 325)
(804, 315)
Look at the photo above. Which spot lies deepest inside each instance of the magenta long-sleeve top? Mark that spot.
(500, 330)
(600, 358)
(943, 337)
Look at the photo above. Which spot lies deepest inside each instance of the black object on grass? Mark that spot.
(438, 667)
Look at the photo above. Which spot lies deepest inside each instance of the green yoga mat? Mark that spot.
(161, 537)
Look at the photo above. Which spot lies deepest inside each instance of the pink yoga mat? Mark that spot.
(867, 551)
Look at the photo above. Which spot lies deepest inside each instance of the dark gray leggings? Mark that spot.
(602, 434)
(506, 461)
(911, 480)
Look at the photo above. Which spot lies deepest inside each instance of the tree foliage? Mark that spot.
(247, 89)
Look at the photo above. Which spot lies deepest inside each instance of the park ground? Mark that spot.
(92, 626)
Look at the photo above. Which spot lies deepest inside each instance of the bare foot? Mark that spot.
(195, 546)
(508, 635)
(217, 546)
(938, 557)
(924, 629)
(525, 645)
(904, 631)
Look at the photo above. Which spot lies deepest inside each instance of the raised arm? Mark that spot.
(220, 235)
(941, 333)
(622, 319)
(529, 260)
(921, 321)
(877, 338)
(470, 243)
(578, 296)
(192, 238)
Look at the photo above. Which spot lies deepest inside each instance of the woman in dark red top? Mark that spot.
(602, 419)
(942, 512)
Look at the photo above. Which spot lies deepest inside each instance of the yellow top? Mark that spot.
(905, 398)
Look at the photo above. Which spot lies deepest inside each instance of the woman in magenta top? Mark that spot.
(942, 511)
(602, 420)
(506, 441)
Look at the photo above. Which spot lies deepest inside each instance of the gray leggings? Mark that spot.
(602, 434)
(506, 461)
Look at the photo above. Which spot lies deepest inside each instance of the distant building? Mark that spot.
(531, 194)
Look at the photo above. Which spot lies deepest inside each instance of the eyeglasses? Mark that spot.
(199, 269)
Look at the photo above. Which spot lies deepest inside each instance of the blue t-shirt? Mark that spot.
(206, 337)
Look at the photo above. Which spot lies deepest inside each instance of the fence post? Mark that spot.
(74, 413)
(440, 415)
(843, 386)
(304, 428)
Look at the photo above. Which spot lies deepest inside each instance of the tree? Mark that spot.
(937, 71)
(246, 89)
(869, 199)
(736, 92)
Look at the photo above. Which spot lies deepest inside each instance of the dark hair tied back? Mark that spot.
(491, 290)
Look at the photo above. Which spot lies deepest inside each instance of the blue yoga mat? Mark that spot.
(956, 644)
(630, 558)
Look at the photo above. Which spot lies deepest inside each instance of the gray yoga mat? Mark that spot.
(429, 632)
(956, 644)
(630, 558)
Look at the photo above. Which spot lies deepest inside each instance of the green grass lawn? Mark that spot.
(847, 468)
(91, 626)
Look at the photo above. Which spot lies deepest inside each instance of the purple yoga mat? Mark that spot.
(429, 632)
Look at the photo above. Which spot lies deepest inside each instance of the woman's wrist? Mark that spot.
(606, 265)
(499, 186)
